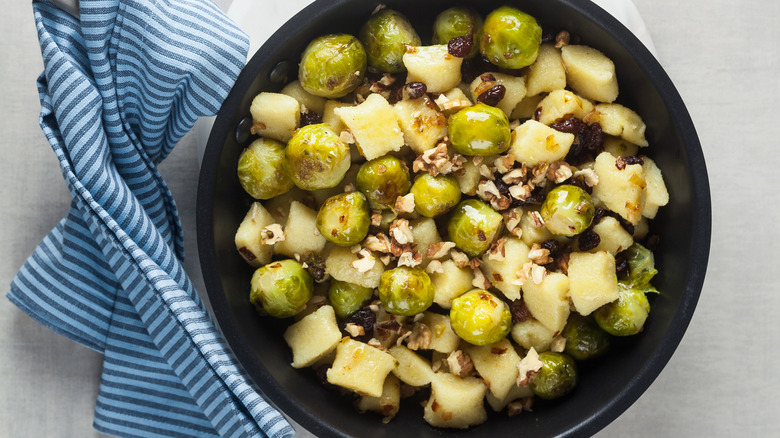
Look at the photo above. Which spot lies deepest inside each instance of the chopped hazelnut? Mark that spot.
(272, 234)
(528, 367)
(365, 261)
(405, 204)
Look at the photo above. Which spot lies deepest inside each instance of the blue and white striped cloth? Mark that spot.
(120, 87)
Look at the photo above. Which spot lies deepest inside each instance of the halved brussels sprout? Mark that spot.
(261, 169)
(510, 38)
(567, 210)
(480, 318)
(281, 289)
(435, 195)
(473, 226)
(316, 158)
(332, 66)
(557, 377)
(405, 291)
(347, 298)
(479, 130)
(383, 180)
(458, 22)
(344, 218)
(385, 37)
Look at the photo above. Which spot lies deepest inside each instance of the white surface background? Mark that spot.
(722, 381)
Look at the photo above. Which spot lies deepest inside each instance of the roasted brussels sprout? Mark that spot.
(316, 158)
(383, 180)
(557, 377)
(479, 130)
(458, 22)
(627, 315)
(385, 36)
(567, 210)
(261, 169)
(641, 268)
(473, 226)
(405, 291)
(347, 298)
(344, 218)
(510, 38)
(332, 66)
(480, 318)
(281, 289)
(435, 195)
(584, 338)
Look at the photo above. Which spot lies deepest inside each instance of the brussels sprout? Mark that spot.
(261, 169)
(332, 66)
(510, 38)
(347, 298)
(641, 268)
(405, 291)
(557, 377)
(627, 315)
(568, 210)
(383, 180)
(480, 318)
(479, 130)
(281, 289)
(584, 338)
(316, 158)
(456, 22)
(473, 226)
(344, 219)
(435, 195)
(385, 36)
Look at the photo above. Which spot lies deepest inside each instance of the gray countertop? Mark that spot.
(723, 57)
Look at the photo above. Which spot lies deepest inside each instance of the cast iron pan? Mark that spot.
(608, 387)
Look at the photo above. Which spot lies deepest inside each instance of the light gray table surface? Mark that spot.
(724, 58)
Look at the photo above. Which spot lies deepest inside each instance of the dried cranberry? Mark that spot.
(460, 46)
(493, 95)
(588, 240)
(414, 90)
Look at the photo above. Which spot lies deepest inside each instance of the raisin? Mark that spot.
(460, 46)
(473, 67)
(309, 117)
(621, 267)
(572, 125)
(634, 160)
(519, 311)
(366, 319)
(579, 181)
(588, 240)
(493, 95)
(548, 35)
(414, 90)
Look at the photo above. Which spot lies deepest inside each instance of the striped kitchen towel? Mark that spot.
(120, 87)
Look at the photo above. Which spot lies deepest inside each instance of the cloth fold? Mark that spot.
(120, 87)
